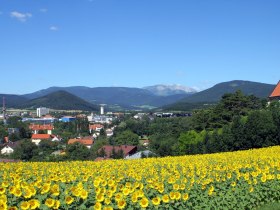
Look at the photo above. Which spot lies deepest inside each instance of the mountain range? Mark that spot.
(167, 96)
(128, 98)
(214, 94)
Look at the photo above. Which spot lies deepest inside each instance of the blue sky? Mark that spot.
(137, 43)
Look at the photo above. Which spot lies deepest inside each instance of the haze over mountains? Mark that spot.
(170, 96)
(167, 90)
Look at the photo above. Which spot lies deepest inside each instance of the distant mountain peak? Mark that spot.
(167, 90)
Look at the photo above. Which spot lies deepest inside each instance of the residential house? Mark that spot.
(87, 141)
(36, 128)
(126, 149)
(275, 95)
(141, 154)
(37, 138)
(95, 135)
(9, 148)
(56, 138)
(95, 127)
(109, 132)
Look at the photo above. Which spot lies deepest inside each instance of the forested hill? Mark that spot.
(215, 93)
(60, 100)
(12, 100)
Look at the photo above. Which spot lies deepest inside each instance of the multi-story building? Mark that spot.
(42, 111)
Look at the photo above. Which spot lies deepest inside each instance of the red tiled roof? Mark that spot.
(41, 136)
(125, 148)
(276, 91)
(94, 126)
(41, 127)
(87, 142)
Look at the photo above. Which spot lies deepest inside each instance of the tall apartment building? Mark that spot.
(42, 111)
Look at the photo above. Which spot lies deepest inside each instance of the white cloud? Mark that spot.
(43, 10)
(20, 16)
(53, 28)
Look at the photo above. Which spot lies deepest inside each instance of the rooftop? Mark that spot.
(86, 142)
(276, 91)
(41, 136)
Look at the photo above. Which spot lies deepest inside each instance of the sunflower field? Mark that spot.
(234, 180)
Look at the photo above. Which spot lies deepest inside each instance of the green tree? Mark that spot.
(127, 138)
(77, 151)
(25, 151)
(3, 133)
(260, 129)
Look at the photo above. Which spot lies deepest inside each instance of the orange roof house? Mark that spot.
(275, 93)
(95, 127)
(41, 136)
(36, 128)
(37, 138)
(87, 142)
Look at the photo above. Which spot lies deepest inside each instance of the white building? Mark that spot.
(42, 111)
(102, 109)
(109, 132)
(7, 150)
(99, 119)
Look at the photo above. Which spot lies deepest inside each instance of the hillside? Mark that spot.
(12, 100)
(215, 93)
(60, 100)
(129, 98)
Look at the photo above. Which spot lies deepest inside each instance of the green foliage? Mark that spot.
(3, 132)
(215, 93)
(77, 151)
(25, 151)
(230, 106)
(126, 137)
(260, 130)
(117, 154)
(271, 206)
(71, 129)
(237, 122)
(190, 138)
(94, 151)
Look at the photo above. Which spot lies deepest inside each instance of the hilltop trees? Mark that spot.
(237, 122)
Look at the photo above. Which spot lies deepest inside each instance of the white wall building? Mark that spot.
(7, 150)
(42, 111)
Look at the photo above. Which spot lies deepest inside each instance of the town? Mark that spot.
(54, 135)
